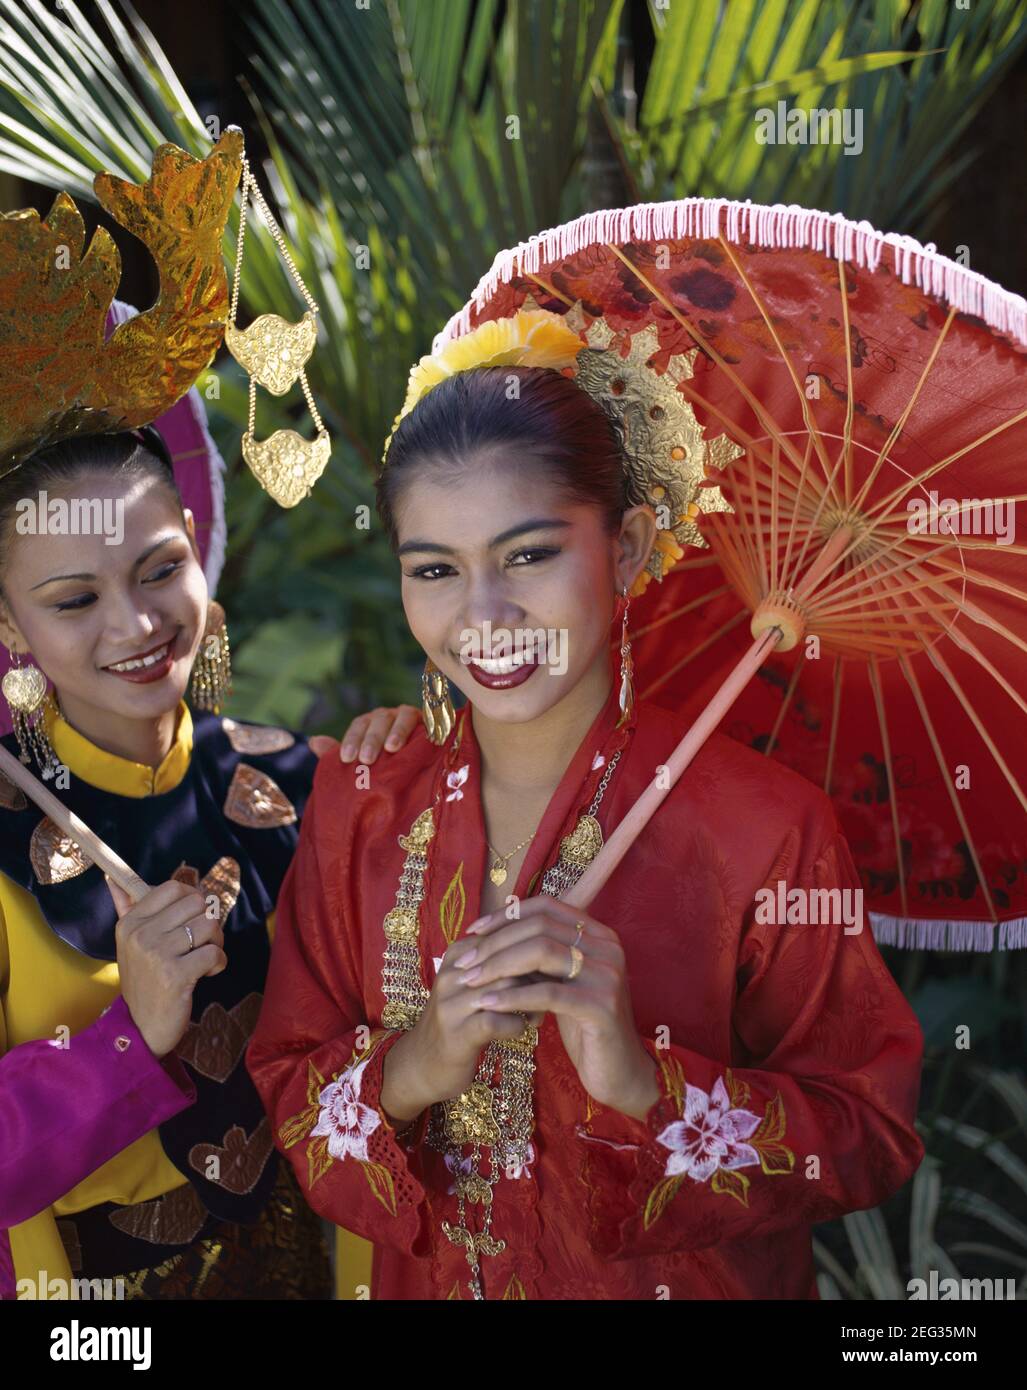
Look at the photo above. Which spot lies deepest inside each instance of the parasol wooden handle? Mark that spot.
(623, 837)
(91, 845)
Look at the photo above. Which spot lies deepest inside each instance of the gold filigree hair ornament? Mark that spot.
(666, 455)
(59, 374)
(274, 353)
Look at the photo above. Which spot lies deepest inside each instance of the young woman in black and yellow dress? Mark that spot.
(132, 1142)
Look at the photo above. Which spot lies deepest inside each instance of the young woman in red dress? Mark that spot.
(510, 1098)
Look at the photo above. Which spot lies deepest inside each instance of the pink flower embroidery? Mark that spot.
(709, 1135)
(343, 1118)
(455, 781)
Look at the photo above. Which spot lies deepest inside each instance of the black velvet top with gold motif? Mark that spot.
(230, 823)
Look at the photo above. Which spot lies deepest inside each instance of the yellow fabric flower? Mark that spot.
(528, 338)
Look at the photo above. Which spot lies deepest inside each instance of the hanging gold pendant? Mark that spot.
(497, 874)
(272, 350)
(584, 842)
(24, 688)
(287, 466)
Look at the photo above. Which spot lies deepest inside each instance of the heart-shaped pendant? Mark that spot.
(287, 466)
(498, 875)
(272, 350)
(24, 688)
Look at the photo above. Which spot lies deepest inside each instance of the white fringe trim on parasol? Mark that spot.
(917, 933)
(779, 226)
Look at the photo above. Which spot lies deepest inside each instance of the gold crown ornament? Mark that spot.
(274, 353)
(59, 375)
(665, 452)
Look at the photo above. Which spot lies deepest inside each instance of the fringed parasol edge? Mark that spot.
(778, 226)
(912, 933)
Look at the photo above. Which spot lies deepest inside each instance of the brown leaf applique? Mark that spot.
(174, 1219)
(55, 856)
(214, 1045)
(256, 800)
(12, 798)
(256, 739)
(223, 880)
(240, 1158)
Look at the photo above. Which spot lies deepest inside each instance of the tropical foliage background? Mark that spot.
(401, 153)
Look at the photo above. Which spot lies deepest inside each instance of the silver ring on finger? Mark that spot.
(189, 934)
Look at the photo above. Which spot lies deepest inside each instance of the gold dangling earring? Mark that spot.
(626, 698)
(436, 703)
(29, 701)
(275, 353)
(212, 670)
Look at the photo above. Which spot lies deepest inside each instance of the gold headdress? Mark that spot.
(60, 377)
(665, 453)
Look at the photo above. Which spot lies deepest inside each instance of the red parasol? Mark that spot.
(878, 392)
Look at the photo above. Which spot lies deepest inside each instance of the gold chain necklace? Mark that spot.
(497, 873)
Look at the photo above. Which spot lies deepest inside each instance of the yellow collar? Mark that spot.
(119, 775)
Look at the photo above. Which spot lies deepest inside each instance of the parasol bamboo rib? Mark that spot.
(893, 804)
(846, 576)
(889, 443)
(676, 613)
(828, 614)
(943, 767)
(623, 836)
(808, 417)
(946, 778)
(843, 600)
(940, 664)
(744, 438)
(763, 571)
(936, 467)
(785, 702)
(958, 511)
(91, 845)
(753, 401)
(972, 545)
(973, 611)
(855, 537)
(791, 530)
(694, 652)
(775, 465)
(986, 581)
